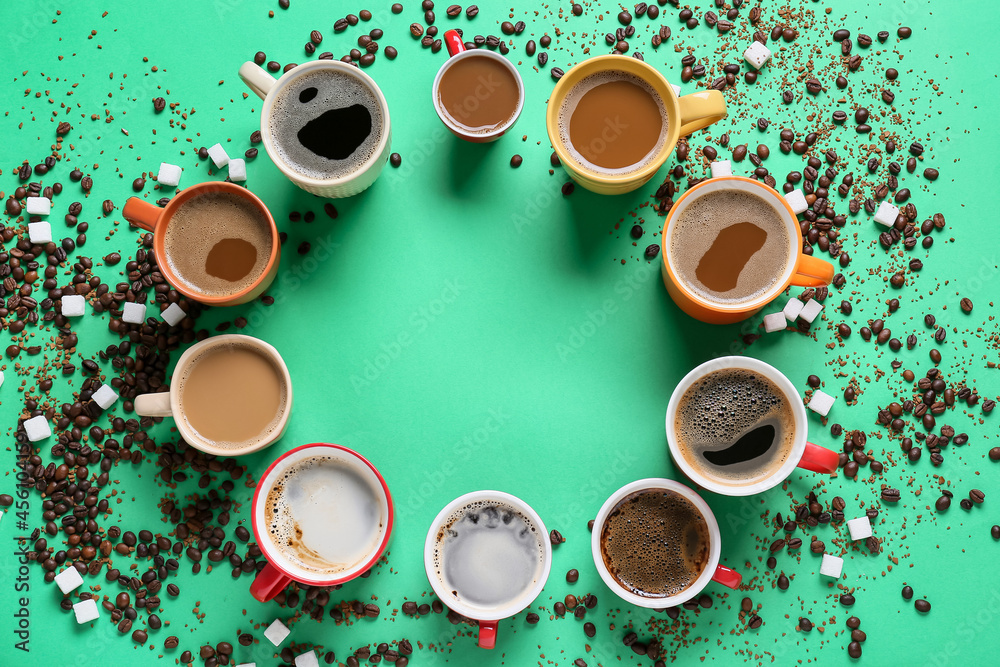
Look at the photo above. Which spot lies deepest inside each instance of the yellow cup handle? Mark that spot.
(812, 272)
(700, 110)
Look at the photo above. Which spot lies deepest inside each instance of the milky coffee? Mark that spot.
(478, 94)
(734, 426)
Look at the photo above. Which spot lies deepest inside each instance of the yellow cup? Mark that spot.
(685, 115)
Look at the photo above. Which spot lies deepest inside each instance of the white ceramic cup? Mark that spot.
(803, 454)
(488, 618)
(167, 404)
(712, 572)
(268, 88)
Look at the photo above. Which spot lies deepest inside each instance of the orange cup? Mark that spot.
(153, 219)
(801, 270)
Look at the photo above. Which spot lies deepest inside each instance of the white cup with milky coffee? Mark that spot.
(229, 395)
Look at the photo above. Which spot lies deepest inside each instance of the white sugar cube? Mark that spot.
(169, 174)
(677, 89)
(134, 313)
(39, 206)
(37, 428)
(69, 580)
(307, 659)
(105, 396)
(792, 309)
(821, 402)
(832, 566)
(86, 611)
(1, 378)
(722, 168)
(276, 632)
(797, 201)
(173, 314)
(237, 170)
(247, 664)
(810, 310)
(774, 322)
(73, 305)
(40, 232)
(218, 155)
(861, 528)
(886, 214)
(757, 54)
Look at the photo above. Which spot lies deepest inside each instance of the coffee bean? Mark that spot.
(847, 600)
(995, 532)
(755, 622)
(572, 576)
(890, 495)
(532, 618)
(977, 496)
(783, 582)
(923, 606)
(942, 503)
(559, 608)
(854, 649)
(966, 305)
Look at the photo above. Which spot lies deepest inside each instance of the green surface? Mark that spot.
(467, 327)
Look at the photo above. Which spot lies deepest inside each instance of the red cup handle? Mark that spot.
(488, 634)
(453, 41)
(728, 577)
(819, 459)
(268, 583)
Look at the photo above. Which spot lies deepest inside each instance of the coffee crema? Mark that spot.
(326, 124)
(613, 122)
(729, 246)
(218, 243)
(655, 543)
(478, 94)
(324, 516)
(488, 555)
(734, 426)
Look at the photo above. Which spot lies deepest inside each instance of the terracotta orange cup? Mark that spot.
(799, 269)
(154, 219)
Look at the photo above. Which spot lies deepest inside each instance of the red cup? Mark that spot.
(281, 569)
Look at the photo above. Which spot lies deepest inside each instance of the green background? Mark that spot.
(468, 327)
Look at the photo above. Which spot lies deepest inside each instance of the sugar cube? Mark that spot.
(861, 528)
(69, 580)
(86, 611)
(886, 214)
(173, 314)
(134, 313)
(821, 402)
(1, 378)
(757, 54)
(218, 155)
(276, 632)
(105, 396)
(40, 232)
(247, 664)
(237, 170)
(39, 206)
(774, 322)
(722, 168)
(37, 428)
(797, 201)
(169, 174)
(832, 566)
(307, 659)
(792, 309)
(677, 89)
(810, 310)
(73, 305)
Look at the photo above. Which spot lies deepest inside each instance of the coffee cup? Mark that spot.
(214, 242)
(759, 441)
(730, 246)
(628, 537)
(322, 515)
(229, 395)
(478, 94)
(487, 557)
(324, 124)
(614, 120)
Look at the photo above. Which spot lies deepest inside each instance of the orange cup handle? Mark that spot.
(810, 272)
(700, 110)
(141, 213)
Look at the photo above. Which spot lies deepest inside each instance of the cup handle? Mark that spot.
(700, 110)
(257, 80)
(141, 213)
(727, 576)
(453, 42)
(488, 634)
(268, 583)
(814, 458)
(153, 405)
(812, 272)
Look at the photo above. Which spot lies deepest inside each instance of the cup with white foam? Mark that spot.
(487, 556)
(322, 515)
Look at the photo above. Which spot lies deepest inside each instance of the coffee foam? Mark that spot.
(697, 227)
(723, 406)
(323, 516)
(585, 85)
(335, 90)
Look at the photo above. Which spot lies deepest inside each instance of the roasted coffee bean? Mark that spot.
(890, 495)
(923, 606)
